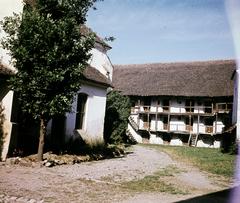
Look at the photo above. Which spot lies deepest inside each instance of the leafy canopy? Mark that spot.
(116, 119)
(50, 53)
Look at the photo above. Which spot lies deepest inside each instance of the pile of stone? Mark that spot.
(54, 160)
(50, 159)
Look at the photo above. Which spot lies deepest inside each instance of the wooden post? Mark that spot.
(189, 123)
(138, 115)
(139, 104)
(148, 120)
(168, 126)
(216, 123)
(156, 128)
(190, 106)
(198, 124)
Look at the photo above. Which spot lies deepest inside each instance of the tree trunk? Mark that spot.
(41, 140)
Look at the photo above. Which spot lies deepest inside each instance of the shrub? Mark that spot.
(116, 119)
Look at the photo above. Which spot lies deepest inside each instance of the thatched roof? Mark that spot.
(86, 30)
(93, 75)
(89, 74)
(192, 79)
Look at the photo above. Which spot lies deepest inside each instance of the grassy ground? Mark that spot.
(156, 182)
(206, 159)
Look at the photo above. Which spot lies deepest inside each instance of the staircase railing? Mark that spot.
(133, 123)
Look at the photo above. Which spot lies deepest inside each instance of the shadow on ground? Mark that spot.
(231, 195)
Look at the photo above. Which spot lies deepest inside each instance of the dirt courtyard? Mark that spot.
(111, 180)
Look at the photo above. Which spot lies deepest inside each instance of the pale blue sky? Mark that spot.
(149, 31)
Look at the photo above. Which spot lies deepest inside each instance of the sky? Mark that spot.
(150, 31)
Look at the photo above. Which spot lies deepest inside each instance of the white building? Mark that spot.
(88, 110)
(86, 121)
(178, 103)
(6, 97)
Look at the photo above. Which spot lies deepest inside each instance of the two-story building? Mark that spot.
(86, 121)
(178, 103)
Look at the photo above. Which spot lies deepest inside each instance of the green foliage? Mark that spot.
(1, 128)
(153, 183)
(207, 159)
(50, 54)
(116, 119)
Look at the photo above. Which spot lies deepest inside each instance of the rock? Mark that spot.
(49, 164)
(61, 162)
(13, 198)
(32, 201)
(13, 160)
(25, 163)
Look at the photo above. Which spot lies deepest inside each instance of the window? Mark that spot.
(81, 107)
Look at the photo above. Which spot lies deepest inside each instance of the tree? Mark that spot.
(50, 52)
(116, 119)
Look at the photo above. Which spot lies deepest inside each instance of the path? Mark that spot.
(100, 181)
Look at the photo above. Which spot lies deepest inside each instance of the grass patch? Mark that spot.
(153, 183)
(206, 159)
(169, 171)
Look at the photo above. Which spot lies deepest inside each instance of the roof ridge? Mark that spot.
(177, 62)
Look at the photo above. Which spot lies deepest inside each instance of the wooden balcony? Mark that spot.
(189, 128)
(185, 110)
(223, 107)
(209, 129)
(165, 126)
(146, 125)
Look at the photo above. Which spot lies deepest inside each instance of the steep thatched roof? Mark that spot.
(86, 30)
(93, 75)
(200, 79)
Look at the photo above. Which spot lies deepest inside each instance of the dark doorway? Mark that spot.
(81, 107)
(58, 132)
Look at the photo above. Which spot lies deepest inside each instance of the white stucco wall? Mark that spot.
(153, 107)
(236, 104)
(136, 136)
(176, 141)
(94, 114)
(236, 101)
(7, 7)
(218, 126)
(160, 124)
(141, 124)
(7, 125)
(205, 143)
(177, 106)
(177, 125)
(153, 124)
(101, 62)
(198, 108)
(155, 139)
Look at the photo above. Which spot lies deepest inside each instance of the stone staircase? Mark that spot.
(133, 123)
(130, 137)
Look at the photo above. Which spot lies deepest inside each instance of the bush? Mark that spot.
(116, 119)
